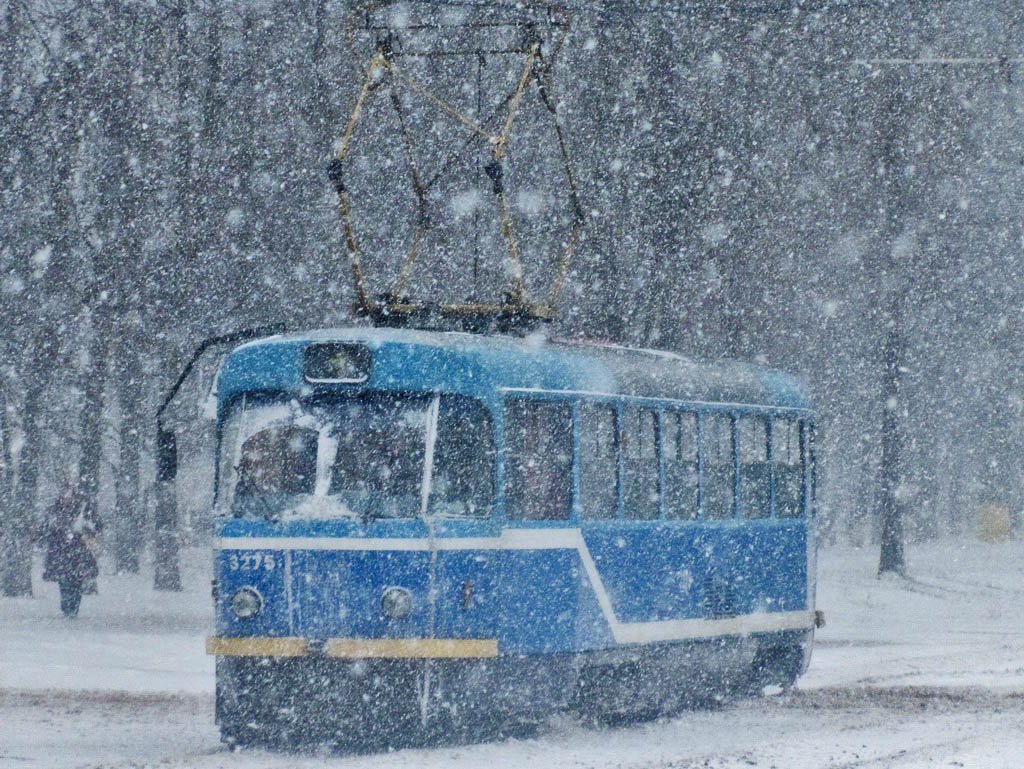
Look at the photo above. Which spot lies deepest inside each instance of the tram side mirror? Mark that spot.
(166, 455)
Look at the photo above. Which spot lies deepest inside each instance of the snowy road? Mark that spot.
(833, 729)
(927, 672)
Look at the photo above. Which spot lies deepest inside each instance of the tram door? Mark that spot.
(539, 587)
(458, 509)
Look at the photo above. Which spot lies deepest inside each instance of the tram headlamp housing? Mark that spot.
(246, 603)
(396, 603)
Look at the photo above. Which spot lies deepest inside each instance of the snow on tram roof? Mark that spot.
(536, 363)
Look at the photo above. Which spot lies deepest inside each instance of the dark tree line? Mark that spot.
(756, 183)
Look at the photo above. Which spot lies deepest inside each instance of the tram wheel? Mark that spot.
(773, 665)
(607, 696)
(237, 737)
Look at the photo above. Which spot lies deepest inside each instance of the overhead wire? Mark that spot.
(628, 9)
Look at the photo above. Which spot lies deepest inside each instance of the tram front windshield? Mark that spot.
(361, 457)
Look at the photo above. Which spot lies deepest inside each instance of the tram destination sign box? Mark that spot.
(337, 362)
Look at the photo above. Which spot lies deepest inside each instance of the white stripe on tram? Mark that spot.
(545, 539)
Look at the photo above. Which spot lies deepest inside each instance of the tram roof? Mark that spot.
(484, 366)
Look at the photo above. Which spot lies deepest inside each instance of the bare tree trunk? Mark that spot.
(90, 428)
(133, 143)
(53, 124)
(21, 521)
(13, 580)
(128, 533)
(166, 568)
(891, 559)
(890, 514)
(6, 455)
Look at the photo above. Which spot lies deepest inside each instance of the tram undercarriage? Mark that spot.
(316, 699)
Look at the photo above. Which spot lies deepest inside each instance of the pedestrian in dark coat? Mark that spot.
(71, 531)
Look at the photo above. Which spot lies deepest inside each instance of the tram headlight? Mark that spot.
(246, 602)
(396, 603)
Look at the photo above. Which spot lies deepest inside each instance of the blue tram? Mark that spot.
(416, 526)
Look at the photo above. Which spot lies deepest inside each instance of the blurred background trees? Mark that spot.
(757, 186)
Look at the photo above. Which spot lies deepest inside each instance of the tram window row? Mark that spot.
(646, 464)
(367, 452)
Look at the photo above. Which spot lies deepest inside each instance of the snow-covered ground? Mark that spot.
(927, 671)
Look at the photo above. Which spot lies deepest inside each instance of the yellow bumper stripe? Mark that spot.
(356, 648)
(257, 647)
(394, 648)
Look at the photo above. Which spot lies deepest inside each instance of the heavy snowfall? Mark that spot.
(827, 187)
(921, 671)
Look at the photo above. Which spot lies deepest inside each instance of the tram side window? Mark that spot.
(719, 469)
(639, 437)
(538, 460)
(598, 473)
(810, 432)
(463, 477)
(680, 446)
(276, 464)
(787, 459)
(755, 472)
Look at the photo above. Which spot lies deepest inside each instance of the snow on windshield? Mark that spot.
(355, 457)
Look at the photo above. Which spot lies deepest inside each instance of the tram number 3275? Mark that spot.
(251, 562)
